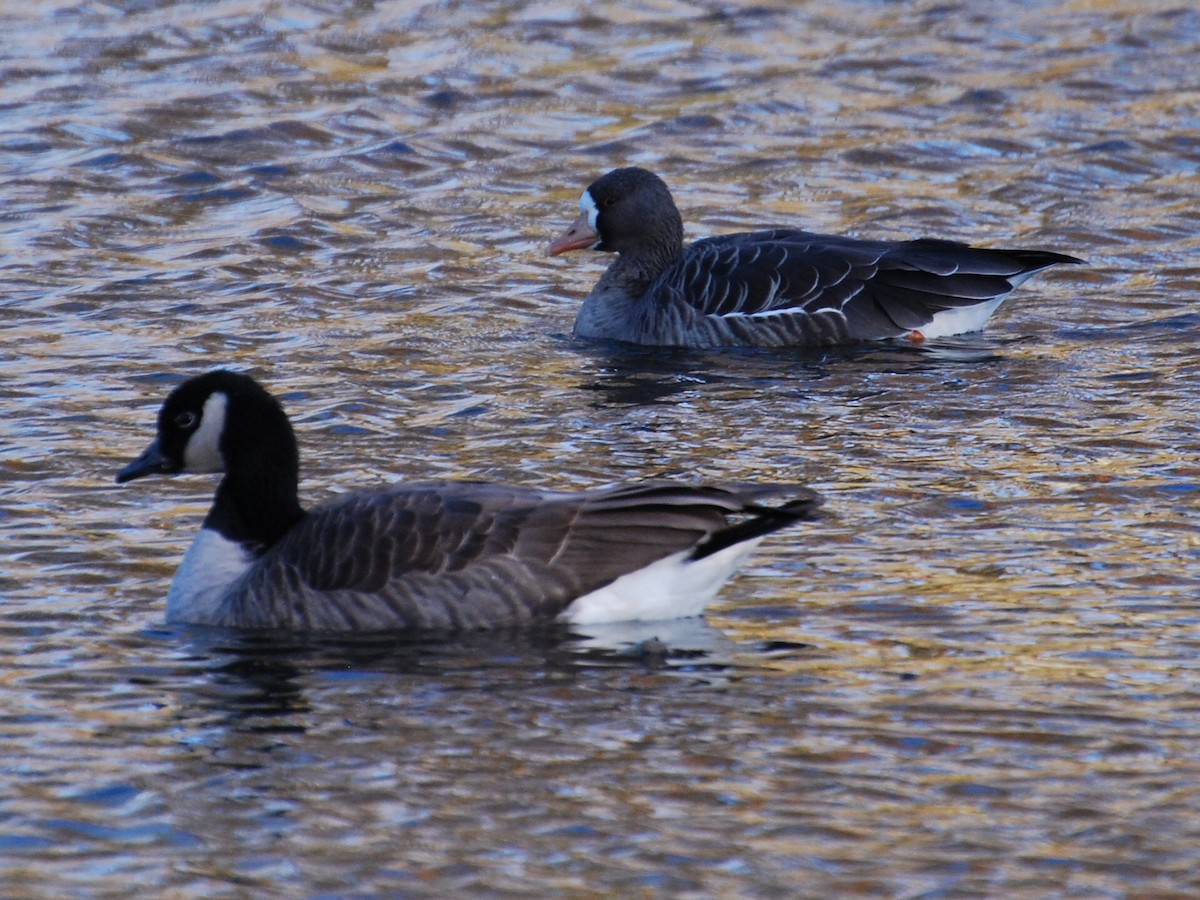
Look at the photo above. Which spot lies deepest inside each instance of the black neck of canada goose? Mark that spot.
(257, 501)
(226, 422)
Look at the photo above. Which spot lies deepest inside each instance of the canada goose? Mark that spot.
(777, 288)
(440, 555)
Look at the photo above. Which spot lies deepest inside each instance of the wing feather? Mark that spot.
(765, 272)
(874, 289)
(454, 555)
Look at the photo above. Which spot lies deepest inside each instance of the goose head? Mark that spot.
(213, 423)
(627, 210)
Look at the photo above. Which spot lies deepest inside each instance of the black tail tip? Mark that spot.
(763, 521)
(802, 506)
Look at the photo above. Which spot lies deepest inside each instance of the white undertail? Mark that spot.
(962, 320)
(673, 587)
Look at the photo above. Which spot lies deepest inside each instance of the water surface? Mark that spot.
(976, 676)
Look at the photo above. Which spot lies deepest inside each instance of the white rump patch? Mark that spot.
(209, 568)
(203, 450)
(671, 588)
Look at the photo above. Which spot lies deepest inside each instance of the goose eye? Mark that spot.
(185, 420)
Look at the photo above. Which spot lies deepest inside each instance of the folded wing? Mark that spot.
(822, 288)
(457, 555)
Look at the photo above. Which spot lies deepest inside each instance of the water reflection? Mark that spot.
(234, 686)
(633, 376)
(272, 662)
(974, 677)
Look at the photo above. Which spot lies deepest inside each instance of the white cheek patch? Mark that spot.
(203, 451)
(587, 206)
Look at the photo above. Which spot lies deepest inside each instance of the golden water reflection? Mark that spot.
(974, 677)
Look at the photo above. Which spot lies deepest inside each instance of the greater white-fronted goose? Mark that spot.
(776, 288)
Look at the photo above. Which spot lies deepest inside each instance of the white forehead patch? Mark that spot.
(203, 450)
(587, 206)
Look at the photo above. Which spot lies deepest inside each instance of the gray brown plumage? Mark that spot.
(774, 288)
(435, 556)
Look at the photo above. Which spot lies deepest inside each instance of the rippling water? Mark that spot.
(976, 677)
